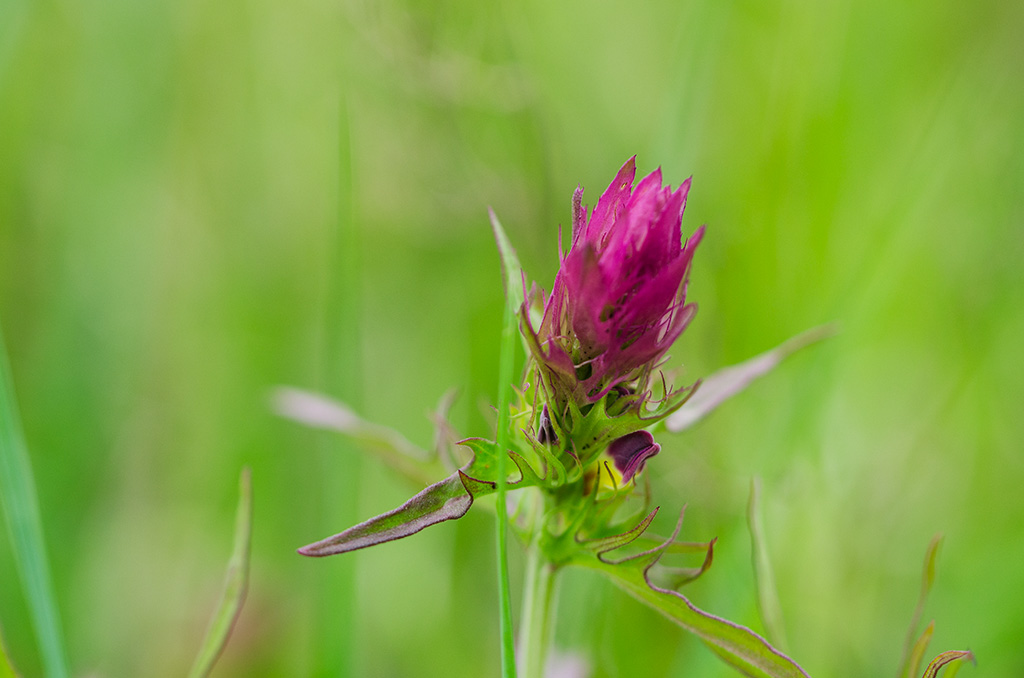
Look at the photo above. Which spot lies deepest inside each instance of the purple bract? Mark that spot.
(619, 298)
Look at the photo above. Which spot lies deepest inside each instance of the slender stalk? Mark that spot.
(538, 618)
(507, 357)
(25, 527)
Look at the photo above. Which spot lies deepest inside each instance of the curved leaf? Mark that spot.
(445, 500)
(947, 658)
(737, 645)
(235, 586)
(917, 652)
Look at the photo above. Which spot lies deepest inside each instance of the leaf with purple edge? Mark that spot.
(603, 545)
(674, 578)
(948, 658)
(445, 500)
(448, 499)
(737, 645)
(729, 381)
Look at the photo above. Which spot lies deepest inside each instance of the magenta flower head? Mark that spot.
(619, 299)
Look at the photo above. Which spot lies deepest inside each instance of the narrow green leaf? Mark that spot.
(512, 271)
(954, 658)
(768, 604)
(513, 301)
(25, 527)
(236, 584)
(917, 652)
(727, 382)
(927, 581)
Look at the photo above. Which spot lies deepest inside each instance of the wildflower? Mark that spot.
(619, 299)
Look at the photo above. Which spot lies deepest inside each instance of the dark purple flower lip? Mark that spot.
(631, 451)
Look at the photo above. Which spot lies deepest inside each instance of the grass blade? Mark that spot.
(917, 653)
(764, 578)
(235, 585)
(927, 580)
(510, 267)
(6, 669)
(21, 507)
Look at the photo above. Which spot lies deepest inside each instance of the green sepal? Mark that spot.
(674, 578)
(603, 545)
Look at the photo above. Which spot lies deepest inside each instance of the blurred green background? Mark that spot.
(199, 201)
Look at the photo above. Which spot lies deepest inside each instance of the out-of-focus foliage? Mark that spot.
(190, 194)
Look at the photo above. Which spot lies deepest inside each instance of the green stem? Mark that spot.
(538, 618)
(505, 365)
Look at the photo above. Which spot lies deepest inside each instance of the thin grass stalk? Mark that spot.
(25, 527)
(508, 344)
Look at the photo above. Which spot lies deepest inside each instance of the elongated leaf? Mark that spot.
(917, 652)
(729, 381)
(737, 645)
(387, 444)
(514, 296)
(764, 577)
(445, 500)
(25, 527)
(236, 584)
(927, 581)
(740, 647)
(945, 658)
(512, 271)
